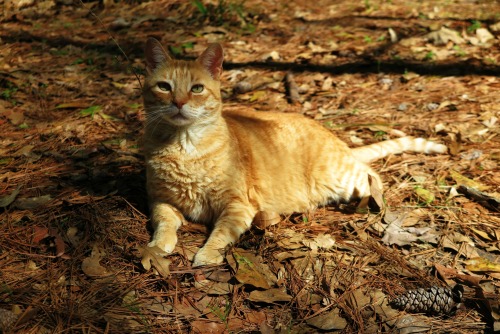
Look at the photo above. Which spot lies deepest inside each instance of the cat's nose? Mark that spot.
(179, 103)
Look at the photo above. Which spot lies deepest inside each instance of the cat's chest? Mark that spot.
(189, 185)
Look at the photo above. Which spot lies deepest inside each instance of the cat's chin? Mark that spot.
(180, 120)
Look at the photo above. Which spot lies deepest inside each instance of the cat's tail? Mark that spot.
(395, 146)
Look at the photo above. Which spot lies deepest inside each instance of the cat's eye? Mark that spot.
(197, 88)
(164, 86)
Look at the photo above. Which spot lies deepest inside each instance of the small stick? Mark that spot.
(485, 200)
(292, 91)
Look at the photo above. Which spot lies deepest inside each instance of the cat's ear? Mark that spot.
(211, 59)
(155, 54)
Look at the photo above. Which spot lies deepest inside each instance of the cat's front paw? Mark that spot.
(207, 256)
(165, 244)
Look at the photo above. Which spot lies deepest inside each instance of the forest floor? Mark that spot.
(73, 211)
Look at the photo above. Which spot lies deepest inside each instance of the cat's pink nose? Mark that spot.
(180, 103)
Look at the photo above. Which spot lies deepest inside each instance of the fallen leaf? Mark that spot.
(484, 35)
(269, 296)
(59, 242)
(208, 327)
(402, 236)
(479, 264)
(258, 95)
(15, 117)
(324, 241)
(376, 193)
(91, 266)
(328, 321)
(32, 202)
(153, 256)
(246, 272)
(424, 195)
(213, 288)
(39, 233)
(463, 180)
(7, 200)
(72, 236)
(72, 105)
(25, 150)
(444, 35)
(408, 324)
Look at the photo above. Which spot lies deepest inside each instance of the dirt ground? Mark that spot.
(73, 209)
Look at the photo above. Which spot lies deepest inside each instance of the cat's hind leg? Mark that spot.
(233, 222)
(165, 220)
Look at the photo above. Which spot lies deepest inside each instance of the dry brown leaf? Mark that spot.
(7, 200)
(59, 242)
(444, 35)
(294, 254)
(402, 236)
(449, 273)
(208, 327)
(32, 202)
(91, 266)
(328, 321)
(247, 273)
(71, 234)
(409, 324)
(213, 288)
(153, 257)
(269, 296)
(376, 193)
(39, 233)
(324, 241)
(25, 150)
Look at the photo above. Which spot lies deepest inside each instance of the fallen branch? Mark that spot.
(485, 200)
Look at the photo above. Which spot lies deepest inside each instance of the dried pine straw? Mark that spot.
(72, 189)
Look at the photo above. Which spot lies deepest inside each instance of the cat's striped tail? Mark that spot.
(395, 146)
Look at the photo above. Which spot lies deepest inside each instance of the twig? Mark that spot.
(485, 200)
(292, 90)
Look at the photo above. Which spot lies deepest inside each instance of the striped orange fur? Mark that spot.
(223, 168)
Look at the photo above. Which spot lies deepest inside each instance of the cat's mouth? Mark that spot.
(179, 118)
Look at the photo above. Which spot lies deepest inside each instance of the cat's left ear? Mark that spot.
(155, 54)
(212, 59)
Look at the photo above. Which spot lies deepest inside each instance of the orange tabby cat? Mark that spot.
(225, 167)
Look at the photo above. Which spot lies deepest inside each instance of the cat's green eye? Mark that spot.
(164, 86)
(197, 88)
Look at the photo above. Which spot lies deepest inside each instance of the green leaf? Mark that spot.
(175, 50)
(201, 7)
(424, 195)
(90, 111)
(188, 45)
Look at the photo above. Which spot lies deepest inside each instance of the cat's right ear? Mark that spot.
(155, 54)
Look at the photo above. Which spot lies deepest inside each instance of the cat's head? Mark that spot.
(180, 92)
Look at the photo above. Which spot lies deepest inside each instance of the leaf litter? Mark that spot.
(73, 177)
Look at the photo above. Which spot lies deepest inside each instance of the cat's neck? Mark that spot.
(192, 140)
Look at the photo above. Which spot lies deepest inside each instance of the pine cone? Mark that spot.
(435, 300)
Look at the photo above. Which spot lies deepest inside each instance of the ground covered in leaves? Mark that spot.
(73, 208)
